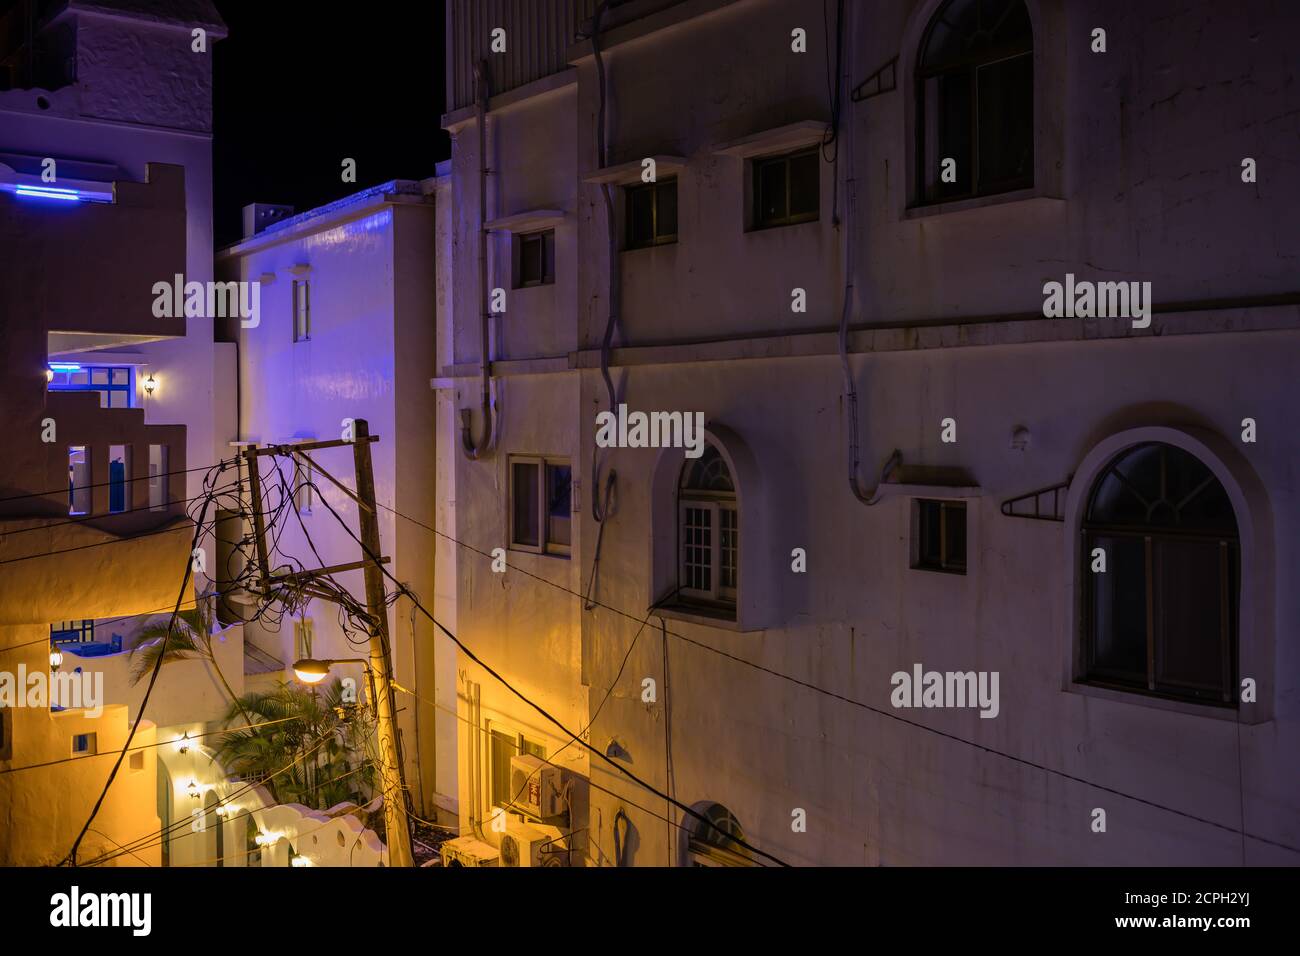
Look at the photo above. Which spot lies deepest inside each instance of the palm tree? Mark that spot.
(190, 638)
(306, 740)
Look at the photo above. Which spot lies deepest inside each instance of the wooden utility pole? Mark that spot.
(396, 824)
(393, 784)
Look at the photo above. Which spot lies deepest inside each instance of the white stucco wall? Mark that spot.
(1149, 189)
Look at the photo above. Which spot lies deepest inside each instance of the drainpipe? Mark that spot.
(475, 450)
(600, 502)
(871, 496)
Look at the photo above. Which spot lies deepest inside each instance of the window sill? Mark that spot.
(536, 553)
(1035, 195)
(1240, 714)
(756, 228)
(698, 614)
(665, 244)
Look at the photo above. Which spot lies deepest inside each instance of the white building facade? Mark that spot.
(919, 458)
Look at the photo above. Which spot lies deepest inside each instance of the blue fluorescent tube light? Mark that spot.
(36, 192)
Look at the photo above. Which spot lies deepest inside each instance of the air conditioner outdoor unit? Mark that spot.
(467, 851)
(522, 845)
(536, 787)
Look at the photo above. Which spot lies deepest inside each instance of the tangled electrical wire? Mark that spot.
(290, 584)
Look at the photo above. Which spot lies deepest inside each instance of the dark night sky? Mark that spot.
(299, 86)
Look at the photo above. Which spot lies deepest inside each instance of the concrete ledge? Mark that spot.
(778, 140)
(531, 220)
(916, 336)
(630, 172)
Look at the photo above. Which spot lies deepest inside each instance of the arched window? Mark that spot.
(715, 843)
(1161, 618)
(709, 564)
(975, 100)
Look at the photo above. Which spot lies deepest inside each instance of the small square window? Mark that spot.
(534, 259)
(787, 189)
(939, 535)
(541, 505)
(651, 213)
(137, 761)
(84, 745)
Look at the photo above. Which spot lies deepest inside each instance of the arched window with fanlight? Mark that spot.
(1161, 561)
(716, 840)
(709, 562)
(975, 101)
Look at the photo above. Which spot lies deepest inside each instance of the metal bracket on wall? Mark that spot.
(883, 80)
(1056, 512)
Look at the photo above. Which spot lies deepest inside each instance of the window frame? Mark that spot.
(1230, 580)
(304, 491)
(106, 391)
(127, 486)
(756, 166)
(927, 169)
(547, 239)
(300, 318)
(159, 481)
(304, 636)
(944, 506)
(87, 489)
(630, 242)
(715, 503)
(544, 544)
(522, 745)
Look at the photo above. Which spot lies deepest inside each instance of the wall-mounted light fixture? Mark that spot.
(183, 744)
(297, 860)
(193, 790)
(56, 659)
(150, 383)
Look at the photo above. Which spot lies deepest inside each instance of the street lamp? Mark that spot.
(312, 671)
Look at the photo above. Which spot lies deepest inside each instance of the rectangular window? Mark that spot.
(651, 213)
(119, 478)
(301, 310)
(304, 491)
(787, 189)
(83, 745)
(303, 632)
(534, 259)
(710, 551)
(939, 535)
(79, 490)
(504, 746)
(559, 484)
(541, 505)
(158, 477)
(1159, 618)
(114, 383)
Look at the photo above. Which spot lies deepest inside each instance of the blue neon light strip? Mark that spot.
(39, 192)
(65, 366)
